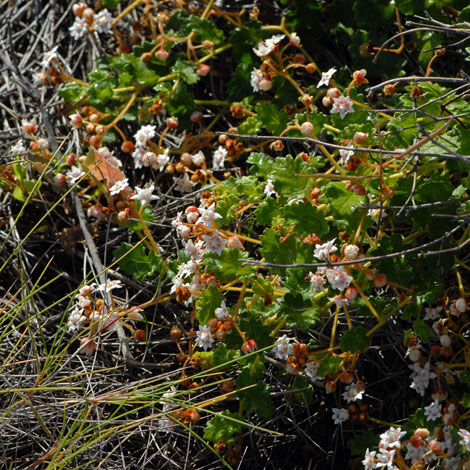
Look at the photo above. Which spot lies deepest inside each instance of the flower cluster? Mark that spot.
(87, 20)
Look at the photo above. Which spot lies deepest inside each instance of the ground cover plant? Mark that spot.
(234, 236)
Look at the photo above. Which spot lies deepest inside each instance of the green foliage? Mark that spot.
(306, 219)
(101, 87)
(329, 365)
(223, 426)
(355, 340)
(228, 265)
(206, 304)
(137, 261)
(72, 92)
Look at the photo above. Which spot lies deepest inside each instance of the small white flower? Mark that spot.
(74, 174)
(317, 282)
(342, 105)
(326, 77)
(338, 278)
(103, 22)
(421, 377)
(196, 251)
(18, 148)
(432, 313)
(218, 158)
(214, 242)
(163, 159)
(184, 184)
(391, 438)
(204, 337)
(322, 252)
(49, 56)
(256, 77)
(79, 28)
(385, 458)
(269, 189)
(109, 285)
(311, 370)
(265, 48)
(144, 195)
(369, 460)
(118, 186)
(433, 411)
(143, 134)
(208, 216)
(282, 349)
(353, 392)
(346, 154)
(221, 312)
(465, 435)
(340, 415)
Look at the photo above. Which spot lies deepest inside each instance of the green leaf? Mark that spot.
(256, 398)
(329, 365)
(466, 400)
(185, 24)
(223, 354)
(182, 104)
(245, 37)
(186, 71)
(341, 203)
(261, 164)
(359, 444)
(251, 126)
(284, 171)
(137, 262)
(223, 426)
(298, 311)
(415, 421)
(228, 264)
(101, 87)
(147, 216)
(422, 329)
(206, 304)
(271, 118)
(465, 377)
(72, 92)
(355, 340)
(266, 211)
(288, 251)
(110, 3)
(239, 85)
(306, 218)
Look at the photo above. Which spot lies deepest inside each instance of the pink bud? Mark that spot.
(196, 116)
(351, 293)
(162, 54)
(78, 8)
(249, 346)
(380, 280)
(59, 179)
(333, 93)
(306, 128)
(265, 84)
(203, 70)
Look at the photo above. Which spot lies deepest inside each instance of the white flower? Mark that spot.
(326, 77)
(322, 252)
(74, 174)
(269, 189)
(221, 312)
(214, 242)
(339, 300)
(76, 319)
(353, 392)
(433, 411)
(342, 105)
(414, 352)
(105, 154)
(218, 159)
(256, 77)
(18, 148)
(265, 48)
(346, 154)
(143, 134)
(338, 278)
(204, 337)
(465, 435)
(340, 415)
(421, 377)
(185, 269)
(311, 370)
(432, 313)
(79, 28)
(385, 458)
(144, 195)
(208, 216)
(49, 56)
(103, 22)
(369, 460)
(109, 285)
(196, 251)
(163, 159)
(118, 186)
(294, 40)
(317, 282)
(391, 438)
(184, 184)
(282, 349)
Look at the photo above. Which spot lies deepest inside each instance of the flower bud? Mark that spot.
(359, 77)
(203, 70)
(78, 8)
(327, 101)
(389, 89)
(29, 128)
(146, 57)
(60, 179)
(350, 251)
(172, 122)
(196, 116)
(127, 146)
(306, 128)
(380, 280)
(461, 305)
(234, 242)
(140, 335)
(360, 137)
(265, 84)
(310, 68)
(307, 100)
(249, 346)
(333, 92)
(277, 145)
(351, 293)
(162, 55)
